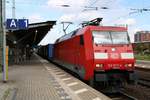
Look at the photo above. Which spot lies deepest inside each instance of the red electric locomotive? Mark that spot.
(97, 53)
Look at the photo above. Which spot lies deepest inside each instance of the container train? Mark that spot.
(101, 54)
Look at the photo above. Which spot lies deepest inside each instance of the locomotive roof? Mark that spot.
(67, 36)
(99, 28)
(108, 28)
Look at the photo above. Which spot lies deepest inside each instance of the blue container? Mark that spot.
(50, 51)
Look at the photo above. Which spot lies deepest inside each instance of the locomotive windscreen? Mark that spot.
(103, 37)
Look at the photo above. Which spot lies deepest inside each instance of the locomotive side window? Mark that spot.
(81, 40)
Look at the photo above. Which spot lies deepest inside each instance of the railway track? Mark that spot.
(144, 82)
(120, 96)
(142, 69)
(144, 76)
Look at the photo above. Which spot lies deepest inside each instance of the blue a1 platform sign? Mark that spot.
(12, 24)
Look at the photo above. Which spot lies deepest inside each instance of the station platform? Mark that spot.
(38, 79)
(142, 64)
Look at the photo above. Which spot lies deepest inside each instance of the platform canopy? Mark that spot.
(31, 36)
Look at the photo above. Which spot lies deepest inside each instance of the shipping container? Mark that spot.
(50, 51)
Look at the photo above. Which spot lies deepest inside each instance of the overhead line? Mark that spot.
(93, 3)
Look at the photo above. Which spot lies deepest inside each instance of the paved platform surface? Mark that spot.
(40, 80)
(142, 64)
(4, 88)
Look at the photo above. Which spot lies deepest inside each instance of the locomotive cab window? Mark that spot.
(100, 37)
(120, 37)
(104, 37)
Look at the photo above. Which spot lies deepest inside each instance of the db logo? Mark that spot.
(114, 55)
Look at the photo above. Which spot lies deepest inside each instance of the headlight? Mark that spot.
(99, 65)
(127, 56)
(128, 65)
(98, 55)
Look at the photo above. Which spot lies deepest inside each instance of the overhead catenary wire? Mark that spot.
(93, 3)
(82, 10)
(137, 10)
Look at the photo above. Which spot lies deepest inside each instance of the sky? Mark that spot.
(119, 12)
